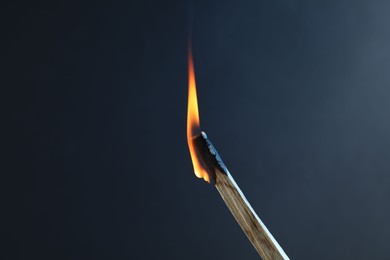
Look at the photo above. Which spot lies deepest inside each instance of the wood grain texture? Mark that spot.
(253, 227)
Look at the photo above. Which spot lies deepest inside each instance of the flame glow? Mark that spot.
(193, 123)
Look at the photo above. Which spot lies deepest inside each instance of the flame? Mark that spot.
(193, 123)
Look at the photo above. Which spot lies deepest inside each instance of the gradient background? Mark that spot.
(295, 95)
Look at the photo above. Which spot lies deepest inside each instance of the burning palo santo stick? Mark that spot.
(209, 166)
(264, 243)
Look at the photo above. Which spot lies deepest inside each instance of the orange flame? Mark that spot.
(193, 123)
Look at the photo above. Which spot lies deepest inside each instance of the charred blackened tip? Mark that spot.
(208, 156)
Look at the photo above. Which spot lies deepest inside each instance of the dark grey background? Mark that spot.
(294, 94)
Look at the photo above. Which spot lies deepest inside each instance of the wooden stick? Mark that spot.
(262, 240)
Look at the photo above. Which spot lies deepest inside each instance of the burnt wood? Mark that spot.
(208, 156)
